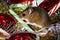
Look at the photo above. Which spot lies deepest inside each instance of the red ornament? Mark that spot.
(48, 4)
(17, 1)
(6, 21)
(22, 36)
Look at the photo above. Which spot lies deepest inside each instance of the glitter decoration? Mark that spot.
(48, 4)
(7, 22)
(23, 36)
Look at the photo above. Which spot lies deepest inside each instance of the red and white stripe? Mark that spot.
(4, 32)
(54, 9)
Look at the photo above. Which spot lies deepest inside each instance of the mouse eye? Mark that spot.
(23, 14)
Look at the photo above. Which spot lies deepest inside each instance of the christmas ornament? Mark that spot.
(7, 22)
(48, 4)
(23, 36)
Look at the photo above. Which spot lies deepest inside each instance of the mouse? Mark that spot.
(36, 17)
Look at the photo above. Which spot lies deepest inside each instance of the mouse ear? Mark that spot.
(30, 10)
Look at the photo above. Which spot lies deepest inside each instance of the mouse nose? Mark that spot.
(24, 20)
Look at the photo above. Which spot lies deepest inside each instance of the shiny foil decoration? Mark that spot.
(48, 4)
(7, 22)
(23, 36)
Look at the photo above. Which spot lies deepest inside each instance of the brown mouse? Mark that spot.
(36, 16)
